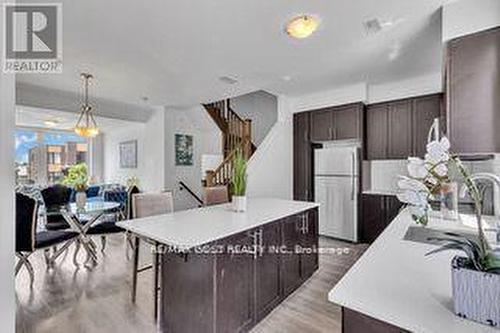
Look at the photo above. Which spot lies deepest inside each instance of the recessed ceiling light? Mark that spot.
(228, 80)
(287, 78)
(51, 123)
(302, 26)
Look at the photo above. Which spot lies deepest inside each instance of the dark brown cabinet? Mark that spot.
(337, 123)
(302, 158)
(235, 312)
(240, 279)
(377, 125)
(398, 129)
(400, 133)
(267, 271)
(309, 243)
(378, 211)
(425, 110)
(472, 89)
(290, 262)
(299, 234)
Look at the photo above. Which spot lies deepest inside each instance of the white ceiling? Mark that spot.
(175, 51)
(36, 117)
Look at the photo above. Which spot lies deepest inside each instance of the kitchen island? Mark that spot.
(223, 271)
(394, 287)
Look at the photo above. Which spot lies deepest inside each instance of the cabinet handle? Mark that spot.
(261, 242)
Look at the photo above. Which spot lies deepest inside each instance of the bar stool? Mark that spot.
(215, 195)
(144, 205)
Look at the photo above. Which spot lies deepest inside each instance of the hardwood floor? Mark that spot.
(97, 299)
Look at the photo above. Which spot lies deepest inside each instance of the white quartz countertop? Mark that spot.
(195, 227)
(394, 282)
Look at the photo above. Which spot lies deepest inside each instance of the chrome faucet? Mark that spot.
(495, 180)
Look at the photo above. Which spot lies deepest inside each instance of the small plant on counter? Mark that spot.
(77, 177)
(239, 180)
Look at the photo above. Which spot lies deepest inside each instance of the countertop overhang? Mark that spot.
(195, 227)
(396, 283)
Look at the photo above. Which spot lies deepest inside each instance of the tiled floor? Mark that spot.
(97, 299)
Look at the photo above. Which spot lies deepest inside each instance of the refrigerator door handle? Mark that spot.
(353, 172)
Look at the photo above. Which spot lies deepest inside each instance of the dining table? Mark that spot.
(81, 219)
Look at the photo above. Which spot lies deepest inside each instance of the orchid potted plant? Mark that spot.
(475, 277)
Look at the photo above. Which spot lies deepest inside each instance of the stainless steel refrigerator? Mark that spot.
(336, 187)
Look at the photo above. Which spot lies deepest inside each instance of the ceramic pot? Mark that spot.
(476, 295)
(81, 200)
(239, 203)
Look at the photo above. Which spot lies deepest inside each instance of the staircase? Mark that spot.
(236, 134)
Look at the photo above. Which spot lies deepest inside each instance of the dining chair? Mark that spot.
(108, 224)
(215, 195)
(28, 240)
(55, 197)
(145, 205)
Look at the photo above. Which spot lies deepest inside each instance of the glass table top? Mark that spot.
(92, 207)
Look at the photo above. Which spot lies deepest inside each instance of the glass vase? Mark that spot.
(449, 201)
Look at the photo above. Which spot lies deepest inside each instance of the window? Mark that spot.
(43, 157)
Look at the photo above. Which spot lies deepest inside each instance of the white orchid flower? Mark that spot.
(416, 168)
(438, 151)
(406, 183)
(414, 198)
(441, 170)
(418, 211)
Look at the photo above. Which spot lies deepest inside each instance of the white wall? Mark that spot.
(206, 140)
(270, 168)
(421, 85)
(262, 108)
(7, 96)
(336, 96)
(150, 153)
(468, 16)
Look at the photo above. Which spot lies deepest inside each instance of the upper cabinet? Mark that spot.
(398, 129)
(337, 123)
(473, 92)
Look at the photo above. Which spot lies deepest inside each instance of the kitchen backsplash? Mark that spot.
(382, 176)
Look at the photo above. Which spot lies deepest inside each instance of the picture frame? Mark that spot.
(128, 154)
(184, 150)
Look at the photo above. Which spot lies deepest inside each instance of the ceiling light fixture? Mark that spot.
(51, 123)
(86, 125)
(302, 26)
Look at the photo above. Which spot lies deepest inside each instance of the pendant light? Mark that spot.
(86, 125)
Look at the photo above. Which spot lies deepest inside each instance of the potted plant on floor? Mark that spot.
(239, 182)
(475, 277)
(78, 179)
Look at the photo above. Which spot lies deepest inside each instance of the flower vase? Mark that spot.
(449, 201)
(239, 203)
(80, 200)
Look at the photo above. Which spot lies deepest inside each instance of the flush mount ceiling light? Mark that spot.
(51, 122)
(86, 125)
(302, 26)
